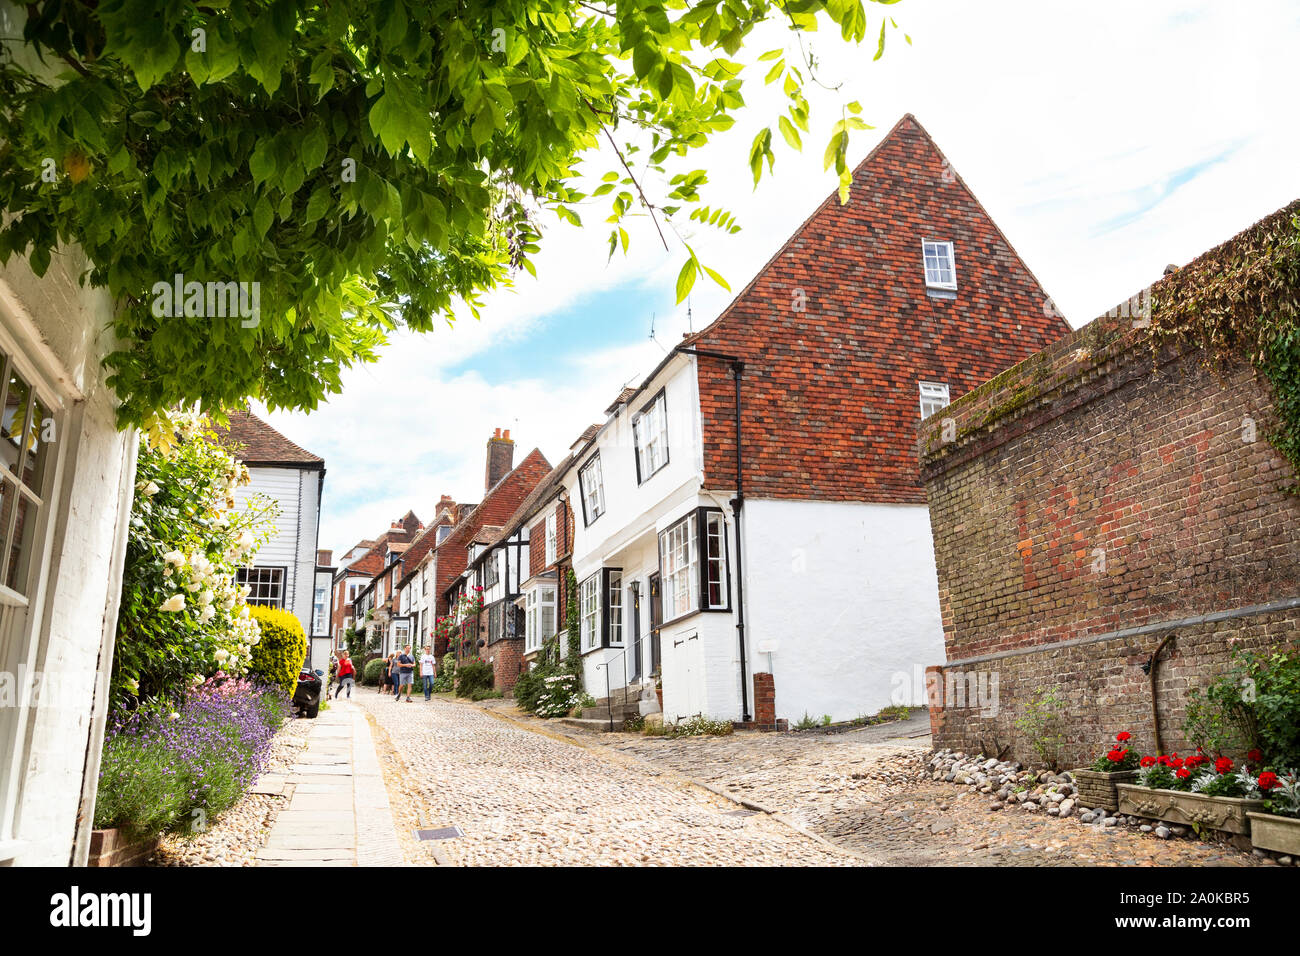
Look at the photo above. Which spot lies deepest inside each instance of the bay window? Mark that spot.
(539, 617)
(650, 437)
(693, 564)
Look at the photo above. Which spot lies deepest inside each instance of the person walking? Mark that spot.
(427, 668)
(346, 674)
(386, 676)
(405, 664)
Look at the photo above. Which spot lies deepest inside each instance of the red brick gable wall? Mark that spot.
(497, 507)
(830, 395)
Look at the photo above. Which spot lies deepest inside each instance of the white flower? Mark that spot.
(148, 489)
(174, 715)
(207, 614)
(245, 540)
(174, 603)
(221, 655)
(174, 557)
(206, 598)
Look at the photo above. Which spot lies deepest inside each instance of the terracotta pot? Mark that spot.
(1190, 809)
(659, 692)
(113, 848)
(1271, 832)
(1097, 788)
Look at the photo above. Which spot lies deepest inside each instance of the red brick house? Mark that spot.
(800, 572)
(506, 488)
(359, 581)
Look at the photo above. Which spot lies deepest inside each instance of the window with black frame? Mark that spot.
(650, 437)
(592, 486)
(693, 564)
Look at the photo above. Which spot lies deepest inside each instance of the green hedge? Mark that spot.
(373, 671)
(280, 653)
(473, 676)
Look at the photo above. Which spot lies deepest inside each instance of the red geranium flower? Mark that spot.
(1267, 780)
(1182, 774)
(1148, 761)
(1164, 760)
(1116, 754)
(1223, 765)
(1254, 756)
(1123, 736)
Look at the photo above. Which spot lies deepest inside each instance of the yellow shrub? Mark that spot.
(279, 655)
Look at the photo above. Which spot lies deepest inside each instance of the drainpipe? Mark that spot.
(737, 504)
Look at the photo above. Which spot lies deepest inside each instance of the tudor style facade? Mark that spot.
(754, 507)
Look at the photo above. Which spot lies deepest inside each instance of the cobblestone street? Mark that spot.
(523, 797)
(526, 791)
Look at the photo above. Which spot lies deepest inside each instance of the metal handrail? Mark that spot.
(609, 701)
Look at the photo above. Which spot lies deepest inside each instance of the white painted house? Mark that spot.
(283, 573)
(750, 521)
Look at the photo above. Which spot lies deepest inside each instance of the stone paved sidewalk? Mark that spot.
(526, 797)
(338, 812)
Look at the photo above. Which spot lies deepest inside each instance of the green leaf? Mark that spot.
(685, 279)
(790, 133)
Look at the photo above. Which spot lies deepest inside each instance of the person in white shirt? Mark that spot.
(427, 667)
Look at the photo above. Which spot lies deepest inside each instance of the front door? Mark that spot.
(656, 619)
(634, 646)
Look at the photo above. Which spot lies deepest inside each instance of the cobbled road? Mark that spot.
(526, 798)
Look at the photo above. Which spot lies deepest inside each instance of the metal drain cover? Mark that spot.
(442, 833)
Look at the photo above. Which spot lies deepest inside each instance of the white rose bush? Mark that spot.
(189, 731)
(183, 616)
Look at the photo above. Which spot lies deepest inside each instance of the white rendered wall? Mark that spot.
(848, 594)
(60, 326)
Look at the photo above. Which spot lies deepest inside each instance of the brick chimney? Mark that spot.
(324, 558)
(500, 458)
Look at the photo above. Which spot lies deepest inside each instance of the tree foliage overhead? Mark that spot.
(368, 163)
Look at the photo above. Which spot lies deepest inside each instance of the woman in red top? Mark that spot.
(347, 674)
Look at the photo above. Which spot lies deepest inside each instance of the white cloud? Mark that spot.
(1070, 125)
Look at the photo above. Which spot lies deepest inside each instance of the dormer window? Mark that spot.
(934, 396)
(940, 267)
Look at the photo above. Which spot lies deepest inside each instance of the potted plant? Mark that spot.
(1097, 783)
(1278, 828)
(1193, 791)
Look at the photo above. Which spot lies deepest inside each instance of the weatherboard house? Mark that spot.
(750, 524)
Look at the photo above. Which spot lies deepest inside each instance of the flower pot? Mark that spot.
(113, 848)
(1097, 789)
(659, 692)
(1191, 809)
(1271, 832)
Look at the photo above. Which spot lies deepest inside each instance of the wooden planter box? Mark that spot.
(1097, 789)
(113, 848)
(1190, 809)
(1270, 832)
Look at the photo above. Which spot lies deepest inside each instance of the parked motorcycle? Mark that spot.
(306, 696)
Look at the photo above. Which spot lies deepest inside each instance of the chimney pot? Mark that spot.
(506, 434)
(497, 433)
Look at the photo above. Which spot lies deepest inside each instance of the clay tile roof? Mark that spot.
(262, 444)
(623, 397)
(588, 434)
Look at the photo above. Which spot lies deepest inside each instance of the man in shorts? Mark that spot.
(406, 670)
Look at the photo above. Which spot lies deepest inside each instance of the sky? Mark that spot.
(1106, 140)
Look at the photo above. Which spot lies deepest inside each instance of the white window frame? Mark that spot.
(679, 568)
(21, 612)
(716, 572)
(539, 616)
(614, 599)
(591, 484)
(934, 398)
(552, 539)
(650, 437)
(589, 611)
(944, 258)
(242, 575)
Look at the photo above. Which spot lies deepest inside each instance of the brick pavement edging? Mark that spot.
(615, 757)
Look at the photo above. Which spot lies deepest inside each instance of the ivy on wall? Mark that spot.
(1239, 301)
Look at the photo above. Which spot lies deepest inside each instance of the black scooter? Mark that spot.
(306, 696)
